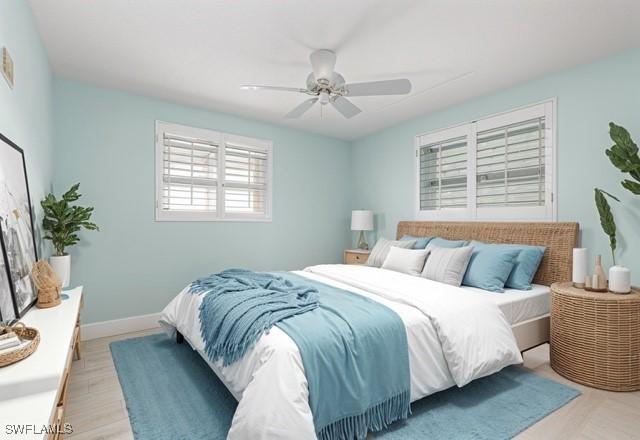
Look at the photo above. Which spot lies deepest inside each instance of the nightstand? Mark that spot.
(356, 256)
(595, 337)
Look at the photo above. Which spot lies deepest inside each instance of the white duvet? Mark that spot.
(454, 337)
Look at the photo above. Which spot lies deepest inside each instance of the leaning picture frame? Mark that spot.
(19, 251)
(8, 311)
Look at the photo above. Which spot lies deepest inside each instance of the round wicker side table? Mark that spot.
(595, 337)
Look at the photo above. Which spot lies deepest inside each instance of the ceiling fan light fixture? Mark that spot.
(323, 62)
(324, 97)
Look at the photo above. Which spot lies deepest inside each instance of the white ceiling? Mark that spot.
(198, 52)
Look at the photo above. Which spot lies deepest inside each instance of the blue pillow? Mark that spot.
(489, 267)
(526, 264)
(444, 243)
(421, 242)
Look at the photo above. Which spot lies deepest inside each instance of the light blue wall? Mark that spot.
(588, 98)
(25, 111)
(134, 265)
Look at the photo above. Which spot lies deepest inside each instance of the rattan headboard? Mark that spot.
(559, 239)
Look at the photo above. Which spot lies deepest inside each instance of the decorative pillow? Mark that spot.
(444, 243)
(490, 267)
(526, 263)
(410, 261)
(421, 242)
(447, 265)
(381, 249)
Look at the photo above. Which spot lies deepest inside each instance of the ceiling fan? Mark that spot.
(329, 87)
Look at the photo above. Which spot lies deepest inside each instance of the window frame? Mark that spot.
(548, 212)
(221, 139)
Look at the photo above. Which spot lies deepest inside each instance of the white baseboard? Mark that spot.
(119, 326)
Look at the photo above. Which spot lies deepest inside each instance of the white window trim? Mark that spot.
(221, 138)
(470, 129)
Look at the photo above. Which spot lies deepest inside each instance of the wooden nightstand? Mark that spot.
(595, 337)
(356, 256)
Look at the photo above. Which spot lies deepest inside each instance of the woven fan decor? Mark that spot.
(25, 334)
(47, 283)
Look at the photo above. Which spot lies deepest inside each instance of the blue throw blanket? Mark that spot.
(354, 350)
(240, 305)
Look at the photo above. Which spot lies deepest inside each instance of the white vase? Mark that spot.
(619, 279)
(61, 265)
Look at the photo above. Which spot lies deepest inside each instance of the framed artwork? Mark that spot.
(16, 230)
(7, 308)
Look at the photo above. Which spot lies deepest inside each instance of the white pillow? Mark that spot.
(447, 265)
(381, 249)
(410, 261)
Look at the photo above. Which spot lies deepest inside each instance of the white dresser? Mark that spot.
(33, 391)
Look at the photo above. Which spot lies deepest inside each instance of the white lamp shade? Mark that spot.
(361, 220)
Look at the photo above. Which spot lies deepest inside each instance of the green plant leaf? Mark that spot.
(632, 186)
(606, 218)
(624, 156)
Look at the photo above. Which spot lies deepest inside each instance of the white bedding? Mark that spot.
(454, 336)
(519, 305)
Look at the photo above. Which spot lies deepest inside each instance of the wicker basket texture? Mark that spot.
(25, 333)
(47, 283)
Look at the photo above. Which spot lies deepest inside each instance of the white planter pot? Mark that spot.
(62, 267)
(619, 279)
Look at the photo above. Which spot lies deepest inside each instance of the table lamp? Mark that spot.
(362, 221)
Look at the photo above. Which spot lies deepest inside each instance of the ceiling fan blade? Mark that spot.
(373, 88)
(301, 109)
(277, 88)
(345, 107)
(323, 61)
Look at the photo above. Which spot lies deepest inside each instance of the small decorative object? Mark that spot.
(61, 223)
(579, 267)
(598, 281)
(597, 270)
(29, 337)
(47, 283)
(7, 67)
(362, 221)
(16, 234)
(619, 279)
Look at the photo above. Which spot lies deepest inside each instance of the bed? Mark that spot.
(269, 381)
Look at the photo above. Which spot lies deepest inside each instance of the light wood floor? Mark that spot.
(96, 406)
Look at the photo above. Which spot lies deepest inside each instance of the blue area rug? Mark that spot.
(171, 393)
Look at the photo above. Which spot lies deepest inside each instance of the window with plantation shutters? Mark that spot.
(443, 174)
(245, 180)
(189, 173)
(208, 175)
(510, 163)
(495, 168)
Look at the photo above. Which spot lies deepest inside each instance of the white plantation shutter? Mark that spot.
(246, 175)
(206, 175)
(443, 174)
(189, 173)
(510, 165)
(496, 168)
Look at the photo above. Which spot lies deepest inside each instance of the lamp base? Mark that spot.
(362, 242)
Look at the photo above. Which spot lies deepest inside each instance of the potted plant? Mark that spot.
(624, 156)
(61, 223)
